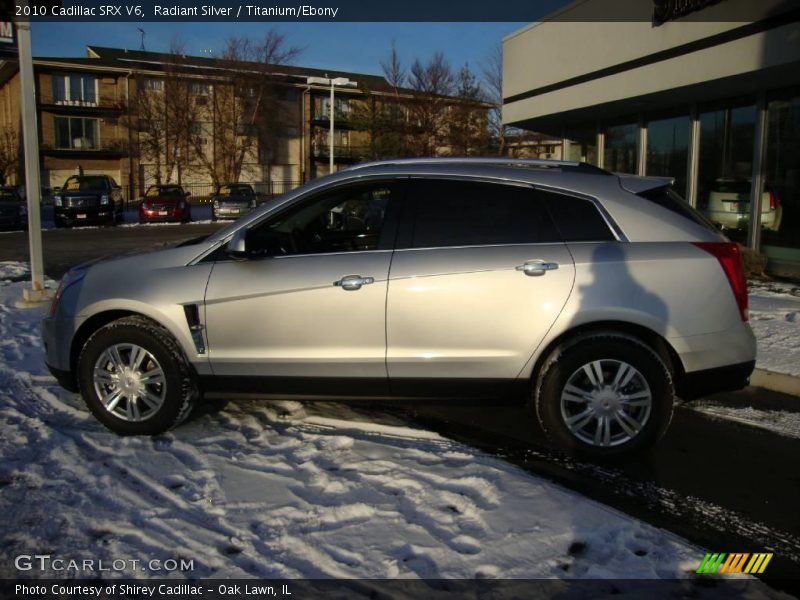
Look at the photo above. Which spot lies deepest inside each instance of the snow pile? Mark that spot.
(775, 318)
(278, 490)
(12, 270)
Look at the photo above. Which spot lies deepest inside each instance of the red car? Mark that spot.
(165, 203)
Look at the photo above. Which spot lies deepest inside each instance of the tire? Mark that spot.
(637, 412)
(139, 408)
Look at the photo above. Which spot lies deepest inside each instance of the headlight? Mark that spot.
(57, 200)
(72, 276)
(104, 199)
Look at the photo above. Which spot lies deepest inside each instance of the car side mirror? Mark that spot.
(237, 247)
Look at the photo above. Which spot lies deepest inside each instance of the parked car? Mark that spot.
(88, 200)
(165, 203)
(233, 200)
(729, 205)
(594, 298)
(13, 210)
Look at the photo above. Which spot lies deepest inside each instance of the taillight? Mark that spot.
(56, 297)
(730, 258)
(773, 202)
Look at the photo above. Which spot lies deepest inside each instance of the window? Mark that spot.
(668, 149)
(75, 89)
(468, 213)
(576, 219)
(154, 84)
(668, 198)
(199, 89)
(622, 148)
(347, 220)
(76, 133)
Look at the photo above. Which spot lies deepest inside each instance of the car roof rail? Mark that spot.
(567, 165)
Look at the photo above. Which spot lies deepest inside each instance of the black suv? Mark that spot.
(88, 199)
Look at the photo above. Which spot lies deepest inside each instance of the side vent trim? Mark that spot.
(196, 328)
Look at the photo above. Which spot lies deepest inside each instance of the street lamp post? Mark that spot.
(340, 81)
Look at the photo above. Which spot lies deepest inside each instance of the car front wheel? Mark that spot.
(603, 395)
(135, 379)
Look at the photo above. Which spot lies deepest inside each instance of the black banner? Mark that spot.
(706, 587)
(650, 11)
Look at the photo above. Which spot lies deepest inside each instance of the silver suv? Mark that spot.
(594, 297)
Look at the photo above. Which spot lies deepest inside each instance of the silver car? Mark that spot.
(595, 298)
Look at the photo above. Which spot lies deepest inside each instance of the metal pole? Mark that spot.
(330, 135)
(33, 185)
(757, 174)
(693, 166)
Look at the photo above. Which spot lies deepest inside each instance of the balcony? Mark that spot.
(344, 154)
(87, 148)
(341, 118)
(90, 106)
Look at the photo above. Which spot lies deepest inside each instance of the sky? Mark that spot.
(355, 47)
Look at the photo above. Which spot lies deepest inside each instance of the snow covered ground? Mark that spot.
(278, 490)
(775, 318)
(275, 490)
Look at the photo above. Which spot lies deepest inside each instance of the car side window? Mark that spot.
(472, 213)
(349, 219)
(577, 219)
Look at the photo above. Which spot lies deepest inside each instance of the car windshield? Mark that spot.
(85, 184)
(8, 194)
(171, 190)
(235, 190)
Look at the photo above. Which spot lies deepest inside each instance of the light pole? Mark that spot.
(340, 81)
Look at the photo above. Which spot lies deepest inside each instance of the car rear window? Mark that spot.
(577, 219)
(731, 187)
(668, 198)
(469, 213)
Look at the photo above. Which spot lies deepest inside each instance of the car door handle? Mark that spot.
(537, 267)
(353, 282)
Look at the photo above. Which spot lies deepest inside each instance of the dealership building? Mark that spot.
(704, 91)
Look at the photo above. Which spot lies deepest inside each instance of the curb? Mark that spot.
(777, 382)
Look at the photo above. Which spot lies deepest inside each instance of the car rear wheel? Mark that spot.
(603, 395)
(135, 379)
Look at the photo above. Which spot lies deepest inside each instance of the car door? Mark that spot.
(306, 311)
(478, 277)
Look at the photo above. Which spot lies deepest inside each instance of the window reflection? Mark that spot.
(621, 151)
(668, 150)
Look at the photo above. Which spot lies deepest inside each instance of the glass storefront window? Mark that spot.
(621, 148)
(780, 210)
(725, 167)
(582, 145)
(668, 150)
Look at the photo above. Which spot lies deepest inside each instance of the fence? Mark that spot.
(202, 193)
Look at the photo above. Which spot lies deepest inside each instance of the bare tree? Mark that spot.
(9, 153)
(492, 71)
(467, 128)
(248, 113)
(161, 115)
(393, 69)
(433, 82)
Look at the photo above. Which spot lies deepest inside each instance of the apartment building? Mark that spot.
(143, 117)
